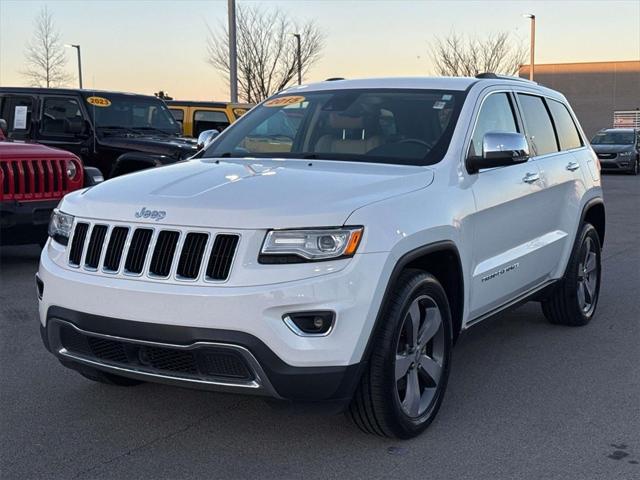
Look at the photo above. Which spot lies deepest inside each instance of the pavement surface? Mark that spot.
(526, 400)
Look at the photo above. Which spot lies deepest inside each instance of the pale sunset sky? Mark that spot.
(146, 46)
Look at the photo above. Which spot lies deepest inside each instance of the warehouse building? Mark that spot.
(595, 90)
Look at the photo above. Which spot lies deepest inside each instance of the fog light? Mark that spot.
(310, 324)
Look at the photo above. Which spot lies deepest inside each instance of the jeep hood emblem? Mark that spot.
(156, 215)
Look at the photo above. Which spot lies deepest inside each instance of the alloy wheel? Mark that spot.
(420, 356)
(588, 277)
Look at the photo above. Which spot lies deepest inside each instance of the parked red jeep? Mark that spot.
(34, 178)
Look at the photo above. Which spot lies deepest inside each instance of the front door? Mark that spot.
(508, 233)
(63, 125)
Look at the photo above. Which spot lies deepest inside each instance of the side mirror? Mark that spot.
(4, 127)
(206, 137)
(92, 176)
(75, 126)
(500, 149)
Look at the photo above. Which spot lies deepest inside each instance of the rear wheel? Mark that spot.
(403, 387)
(573, 302)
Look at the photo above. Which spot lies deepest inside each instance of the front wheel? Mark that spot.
(635, 168)
(404, 384)
(573, 302)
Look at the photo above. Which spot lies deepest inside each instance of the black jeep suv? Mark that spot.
(115, 132)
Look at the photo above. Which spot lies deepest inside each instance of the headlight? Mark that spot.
(625, 154)
(72, 170)
(297, 246)
(60, 226)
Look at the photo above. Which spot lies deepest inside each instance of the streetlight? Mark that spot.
(77, 47)
(532, 48)
(299, 56)
(233, 54)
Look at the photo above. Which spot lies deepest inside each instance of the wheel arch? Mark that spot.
(437, 259)
(594, 213)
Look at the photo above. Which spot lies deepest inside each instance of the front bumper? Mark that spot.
(620, 163)
(25, 222)
(208, 359)
(248, 321)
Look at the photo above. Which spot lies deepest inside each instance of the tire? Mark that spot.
(573, 302)
(635, 169)
(382, 403)
(108, 378)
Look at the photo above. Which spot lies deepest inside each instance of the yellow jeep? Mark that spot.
(195, 117)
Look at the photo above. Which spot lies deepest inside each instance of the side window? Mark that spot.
(538, 123)
(61, 116)
(209, 119)
(567, 132)
(17, 112)
(496, 115)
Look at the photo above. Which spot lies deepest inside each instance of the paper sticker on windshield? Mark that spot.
(439, 105)
(446, 98)
(99, 101)
(284, 101)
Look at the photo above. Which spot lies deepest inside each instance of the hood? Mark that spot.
(247, 193)
(158, 144)
(612, 148)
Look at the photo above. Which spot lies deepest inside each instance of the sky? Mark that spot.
(146, 46)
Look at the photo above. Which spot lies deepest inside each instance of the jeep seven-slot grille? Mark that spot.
(159, 254)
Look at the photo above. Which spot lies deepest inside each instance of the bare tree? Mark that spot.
(267, 52)
(458, 56)
(44, 54)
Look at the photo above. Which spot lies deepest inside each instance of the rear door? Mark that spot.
(506, 224)
(556, 149)
(17, 110)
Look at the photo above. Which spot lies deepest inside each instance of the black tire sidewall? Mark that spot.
(411, 287)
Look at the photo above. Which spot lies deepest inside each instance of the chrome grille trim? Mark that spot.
(145, 274)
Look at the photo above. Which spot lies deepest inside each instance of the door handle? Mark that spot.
(571, 166)
(531, 177)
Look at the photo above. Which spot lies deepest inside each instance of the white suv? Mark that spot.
(331, 245)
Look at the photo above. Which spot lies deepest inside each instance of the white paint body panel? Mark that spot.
(494, 219)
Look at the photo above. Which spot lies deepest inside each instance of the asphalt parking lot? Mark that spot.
(526, 400)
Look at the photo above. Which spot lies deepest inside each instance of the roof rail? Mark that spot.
(333, 79)
(503, 77)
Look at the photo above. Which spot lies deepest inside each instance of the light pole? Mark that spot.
(532, 47)
(77, 47)
(233, 54)
(299, 57)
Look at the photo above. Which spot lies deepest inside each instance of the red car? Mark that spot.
(34, 178)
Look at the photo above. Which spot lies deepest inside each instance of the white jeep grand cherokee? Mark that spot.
(331, 246)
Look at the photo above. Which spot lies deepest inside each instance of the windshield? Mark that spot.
(131, 113)
(386, 126)
(613, 138)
